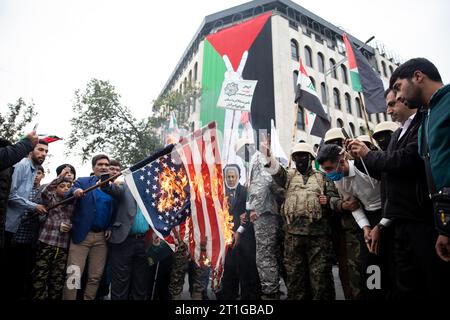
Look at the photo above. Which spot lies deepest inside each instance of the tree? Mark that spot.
(102, 124)
(12, 123)
(178, 101)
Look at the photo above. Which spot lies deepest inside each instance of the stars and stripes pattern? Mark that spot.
(196, 156)
(200, 155)
(145, 185)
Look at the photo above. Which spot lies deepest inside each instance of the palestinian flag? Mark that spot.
(255, 37)
(306, 97)
(365, 79)
(48, 139)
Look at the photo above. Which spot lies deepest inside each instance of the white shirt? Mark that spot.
(406, 125)
(357, 185)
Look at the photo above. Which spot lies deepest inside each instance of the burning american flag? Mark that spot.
(184, 180)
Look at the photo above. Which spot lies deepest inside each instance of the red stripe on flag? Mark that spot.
(218, 165)
(198, 202)
(208, 194)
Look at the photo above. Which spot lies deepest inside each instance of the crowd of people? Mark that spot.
(378, 207)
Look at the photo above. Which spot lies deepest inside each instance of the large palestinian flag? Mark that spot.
(255, 37)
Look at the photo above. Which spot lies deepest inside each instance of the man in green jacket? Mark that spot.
(419, 84)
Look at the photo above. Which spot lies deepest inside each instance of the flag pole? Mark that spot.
(231, 133)
(101, 184)
(364, 111)
(294, 132)
(154, 281)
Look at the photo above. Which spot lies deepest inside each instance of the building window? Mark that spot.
(301, 119)
(340, 123)
(185, 84)
(358, 107)
(295, 77)
(195, 71)
(385, 116)
(294, 50)
(308, 56)
(332, 66)
(383, 66)
(337, 98)
(344, 74)
(324, 93)
(348, 103)
(352, 128)
(190, 76)
(391, 69)
(378, 117)
(321, 62)
(313, 82)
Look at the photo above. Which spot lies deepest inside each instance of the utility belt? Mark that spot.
(136, 235)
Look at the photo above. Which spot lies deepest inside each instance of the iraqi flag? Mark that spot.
(253, 36)
(365, 79)
(306, 97)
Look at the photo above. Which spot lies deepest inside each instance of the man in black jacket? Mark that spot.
(418, 272)
(11, 154)
(240, 262)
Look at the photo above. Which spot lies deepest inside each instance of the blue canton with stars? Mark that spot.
(147, 180)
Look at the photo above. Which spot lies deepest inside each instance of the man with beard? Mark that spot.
(306, 210)
(240, 262)
(18, 204)
(91, 229)
(418, 272)
(419, 83)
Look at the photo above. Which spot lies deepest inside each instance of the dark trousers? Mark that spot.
(160, 279)
(419, 272)
(240, 270)
(381, 260)
(18, 265)
(130, 270)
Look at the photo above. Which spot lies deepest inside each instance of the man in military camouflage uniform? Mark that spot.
(306, 210)
(267, 223)
(180, 266)
(346, 237)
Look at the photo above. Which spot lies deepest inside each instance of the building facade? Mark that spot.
(296, 34)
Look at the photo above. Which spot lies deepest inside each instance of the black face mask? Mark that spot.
(302, 162)
(383, 139)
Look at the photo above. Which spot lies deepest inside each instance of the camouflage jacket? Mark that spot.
(301, 210)
(260, 197)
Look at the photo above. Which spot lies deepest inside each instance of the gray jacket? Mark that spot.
(126, 211)
(260, 196)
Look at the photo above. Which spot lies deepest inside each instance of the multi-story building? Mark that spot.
(296, 34)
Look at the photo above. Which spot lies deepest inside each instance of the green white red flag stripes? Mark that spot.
(306, 97)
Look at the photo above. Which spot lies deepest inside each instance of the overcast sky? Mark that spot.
(50, 48)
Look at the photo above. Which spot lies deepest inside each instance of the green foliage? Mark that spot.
(180, 102)
(103, 125)
(18, 116)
